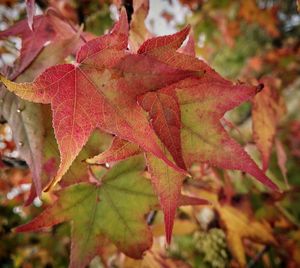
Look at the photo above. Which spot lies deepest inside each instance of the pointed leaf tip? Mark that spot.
(186, 200)
(173, 41)
(189, 47)
(30, 8)
(121, 26)
(119, 149)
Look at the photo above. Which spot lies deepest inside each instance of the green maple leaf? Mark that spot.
(113, 209)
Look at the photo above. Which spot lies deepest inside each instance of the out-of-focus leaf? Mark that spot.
(268, 109)
(281, 160)
(265, 18)
(138, 32)
(239, 226)
(154, 258)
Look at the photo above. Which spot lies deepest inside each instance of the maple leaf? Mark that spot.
(48, 27)
(163, 109)
(268, 109)
(166, 181)
(25, 118)
(97, 92)
(186, 116)
(162, 105)
(239, 227)
(113, 209)
(203, 101)
(203, 137)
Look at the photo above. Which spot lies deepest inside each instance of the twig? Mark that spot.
(151, 217)
(14, 162)
(258, 256)
(288, 215)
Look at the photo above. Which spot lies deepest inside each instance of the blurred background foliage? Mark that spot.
(253, 41)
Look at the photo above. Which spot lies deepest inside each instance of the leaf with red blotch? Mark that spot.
(48, 27)
(268, 109)
(30, 8)
(163, 109)
(100, 90)
(119, 149)
(203, 101)
(113, 209)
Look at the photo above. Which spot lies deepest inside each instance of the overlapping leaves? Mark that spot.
(113, 209)
(158, 100)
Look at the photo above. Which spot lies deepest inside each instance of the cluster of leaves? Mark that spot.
(134, 124)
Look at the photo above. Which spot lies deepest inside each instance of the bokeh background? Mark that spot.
(253, 41)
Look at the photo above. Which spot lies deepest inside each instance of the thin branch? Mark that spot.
(252, 263)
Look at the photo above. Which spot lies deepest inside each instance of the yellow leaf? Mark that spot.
(239, 226)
